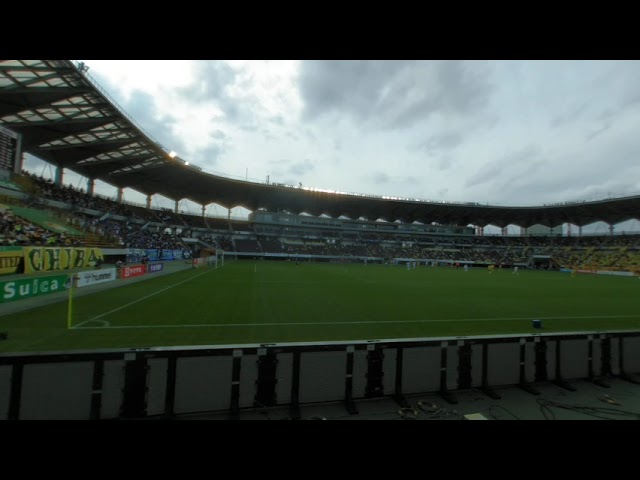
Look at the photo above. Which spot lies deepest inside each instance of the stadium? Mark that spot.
(116, 309)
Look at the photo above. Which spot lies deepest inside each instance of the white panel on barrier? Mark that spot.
(574, 356)
(284, 374)
(476, 365)
(503, 364)
(529, 362)
(551, 359)
(157, 385)
(84, 279)
(5, 390)
(389, 369)
(597, 357)
(631, 354)
(322, 376)
(615, 355)
(360, 368)
(420, 370)
(452, 367)
(248, 377)
(203, 384)
(112, 387)
(56, 391)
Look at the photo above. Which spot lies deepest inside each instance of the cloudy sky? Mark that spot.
(498, 132)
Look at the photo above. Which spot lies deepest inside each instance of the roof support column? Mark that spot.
(568, 229)
(480, 231)
(91, 184)
(611, 229)
(579, 230)
(203, 210)
(59, 175)
(19, 156)
(119, 197)
(148, 202)
(523, 231)
(504, 231)
(228, 214)
(175, 209)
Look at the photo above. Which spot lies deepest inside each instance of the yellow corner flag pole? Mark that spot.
(70, 304)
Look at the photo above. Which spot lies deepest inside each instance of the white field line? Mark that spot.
(139, 300)
(208, 325)
(103, 322)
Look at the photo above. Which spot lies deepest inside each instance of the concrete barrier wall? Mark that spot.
(114, 384)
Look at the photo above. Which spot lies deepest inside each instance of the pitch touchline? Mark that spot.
(139, 300)
(352, 323)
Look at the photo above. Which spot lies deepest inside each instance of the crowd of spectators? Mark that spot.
(16, 231)
(132, 226)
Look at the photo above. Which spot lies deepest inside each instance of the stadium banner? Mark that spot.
(48, 259)
(181, 254)
(10, 258)
(32, 287)
(134, 271)
(166, 254)
(95, 276)
(152, 254)
(155, 267)
(134, 255)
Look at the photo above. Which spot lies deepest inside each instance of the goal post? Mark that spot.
(211, 258)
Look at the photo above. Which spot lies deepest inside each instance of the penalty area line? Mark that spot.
(374, 322)
(103, 322)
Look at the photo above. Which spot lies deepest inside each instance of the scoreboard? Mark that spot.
(8, 149)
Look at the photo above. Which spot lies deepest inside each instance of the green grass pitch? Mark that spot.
(276, 302)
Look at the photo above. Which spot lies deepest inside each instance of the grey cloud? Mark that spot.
(209, 156)
(218, 135)
(446, 140)
(499, 167)
(599, 131)
(584, 175)
(445, 162)
(392, 94)
(212, 82)
(277, 119)
(571, 115)
(141, 106)
(442, 192)
(292, 136)
(301, 168)
(268, 136)
(380, 178)
(279, 162)
(443, 141)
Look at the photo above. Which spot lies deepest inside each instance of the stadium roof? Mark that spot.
(67, 119)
